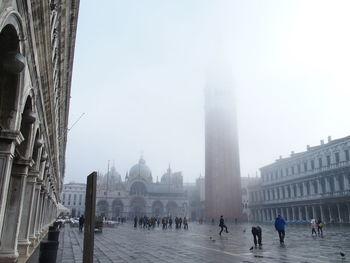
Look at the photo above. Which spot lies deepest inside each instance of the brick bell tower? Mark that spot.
(222, 167)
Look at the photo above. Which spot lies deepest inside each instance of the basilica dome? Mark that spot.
(140, 171)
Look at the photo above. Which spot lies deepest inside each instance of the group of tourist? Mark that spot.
(167, 222)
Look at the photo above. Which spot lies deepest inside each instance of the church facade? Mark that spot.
(138, 195)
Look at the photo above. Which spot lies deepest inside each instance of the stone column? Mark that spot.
(299, 185)
(314, 212)
(336, 184)
(305, 189)
(8, 141)
(282, 196)
(322, 212)
(293, 212)
(307, 213)
(328, 185)
(37, 226)
(27, 213)
(34, 219)
(292, 191)
(348, 206)
(346, 182)
(285, 189)
(312, 188)
(319, 186)
(340, 220)
(330, 213)
(13, 212)
(288, 214)
(300, 213)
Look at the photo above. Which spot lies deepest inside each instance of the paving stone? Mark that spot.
(126, 244)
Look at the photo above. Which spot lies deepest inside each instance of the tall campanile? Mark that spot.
(222, 169)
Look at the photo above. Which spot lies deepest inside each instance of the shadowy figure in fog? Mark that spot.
(279, 226)
(180, 222)
(81, 223)
(185, 222)
(222, 225)
(313, 227)
(320, 225)
(135, 221)
(257, 235)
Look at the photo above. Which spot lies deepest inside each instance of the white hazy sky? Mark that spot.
(141, 67)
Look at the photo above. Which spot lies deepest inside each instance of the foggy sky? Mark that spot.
(141, 67)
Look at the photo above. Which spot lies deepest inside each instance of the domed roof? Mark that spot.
(140, 170)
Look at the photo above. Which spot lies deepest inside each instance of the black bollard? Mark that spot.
(53, 235)
(48, 251)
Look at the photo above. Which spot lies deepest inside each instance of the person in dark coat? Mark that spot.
(257, 235)
(222, 225)
(135, 221)
(280, 226)
(81, 223)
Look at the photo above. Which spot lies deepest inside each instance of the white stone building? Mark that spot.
(73, 198)
(139, 195)
(310, 184)
(37, 40)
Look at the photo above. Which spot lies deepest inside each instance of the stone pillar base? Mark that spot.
(8, 256)
(23, 247)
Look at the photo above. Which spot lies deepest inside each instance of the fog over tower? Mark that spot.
(222, 168)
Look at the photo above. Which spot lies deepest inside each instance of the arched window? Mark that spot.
(138, 188)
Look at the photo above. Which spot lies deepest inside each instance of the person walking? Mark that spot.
(222, 225)
(313, 227)
(280, 227)
(180, 222)
(135, 221)
(257, 235)
(320, 225)
(185, 222)
(81, 223)
(170, 222)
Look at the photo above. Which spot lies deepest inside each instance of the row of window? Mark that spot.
(69, 203)
(74, 197)
(306, 166)
(301, 189)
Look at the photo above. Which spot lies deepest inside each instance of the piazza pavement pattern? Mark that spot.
(126, 244)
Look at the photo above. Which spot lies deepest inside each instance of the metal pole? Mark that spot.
(90, 206)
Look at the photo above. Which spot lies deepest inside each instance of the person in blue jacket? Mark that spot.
(279, 225)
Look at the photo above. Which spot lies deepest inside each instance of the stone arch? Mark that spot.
(157, 208)
(172, 208)
(102, 208)
(137, 207)
(138, 188)
(12, 63)
(117, 208)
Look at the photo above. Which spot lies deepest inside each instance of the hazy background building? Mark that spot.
(310, 184)
(139, 195)
(73, 198)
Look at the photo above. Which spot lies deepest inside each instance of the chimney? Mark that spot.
(329, 138)
(292, 153)
(322, 142)
(307, 147)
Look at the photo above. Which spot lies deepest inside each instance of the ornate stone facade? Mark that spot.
(36, 56)
(138, 195)
(310, 184)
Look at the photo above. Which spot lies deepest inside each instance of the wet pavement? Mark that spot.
(202, 243)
